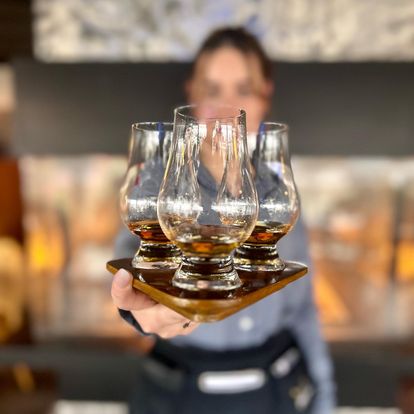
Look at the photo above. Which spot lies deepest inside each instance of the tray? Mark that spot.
(207, 306)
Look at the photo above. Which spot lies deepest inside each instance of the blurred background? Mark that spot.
(75, 74)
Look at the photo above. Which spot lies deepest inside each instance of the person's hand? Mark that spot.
(152, 316)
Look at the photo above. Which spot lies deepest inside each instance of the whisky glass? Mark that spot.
(278, 200)
(148, 149)
(207, 203)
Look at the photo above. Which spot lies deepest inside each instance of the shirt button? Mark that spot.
(246, 323)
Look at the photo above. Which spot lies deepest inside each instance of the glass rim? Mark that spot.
(278, 126)
(240, 112)
(150, 125)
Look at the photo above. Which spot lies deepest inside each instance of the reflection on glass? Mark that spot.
(278, 200)
(148, 147)
(208, 203)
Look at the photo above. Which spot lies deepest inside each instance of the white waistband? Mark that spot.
(228, 382)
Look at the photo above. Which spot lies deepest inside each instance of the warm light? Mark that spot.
(405, 261)
(45, 245)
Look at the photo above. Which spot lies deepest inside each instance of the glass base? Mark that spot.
(157, 256)
(253, 258)
(197, 273)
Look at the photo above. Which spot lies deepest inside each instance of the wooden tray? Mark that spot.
(206, 306)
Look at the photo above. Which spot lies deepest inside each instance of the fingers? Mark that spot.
(152, 316)
(178, 329)
(157, 318)
(163, 321)
(190, 328)
(125, 296)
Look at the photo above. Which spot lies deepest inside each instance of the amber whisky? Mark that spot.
(210, 241)
(149, 231)
(267, 234)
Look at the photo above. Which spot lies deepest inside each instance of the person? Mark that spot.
(269, 357)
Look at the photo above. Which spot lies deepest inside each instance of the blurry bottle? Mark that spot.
(12, 298)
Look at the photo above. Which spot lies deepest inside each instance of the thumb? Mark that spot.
(125, 296)
(122, 279)
(121, 289)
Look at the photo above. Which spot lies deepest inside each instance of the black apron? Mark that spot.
(168, 381)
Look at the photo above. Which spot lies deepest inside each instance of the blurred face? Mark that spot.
(228, 76)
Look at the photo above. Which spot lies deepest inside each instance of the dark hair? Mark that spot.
(240, 39)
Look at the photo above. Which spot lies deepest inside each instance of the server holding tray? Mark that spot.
(268, 357)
